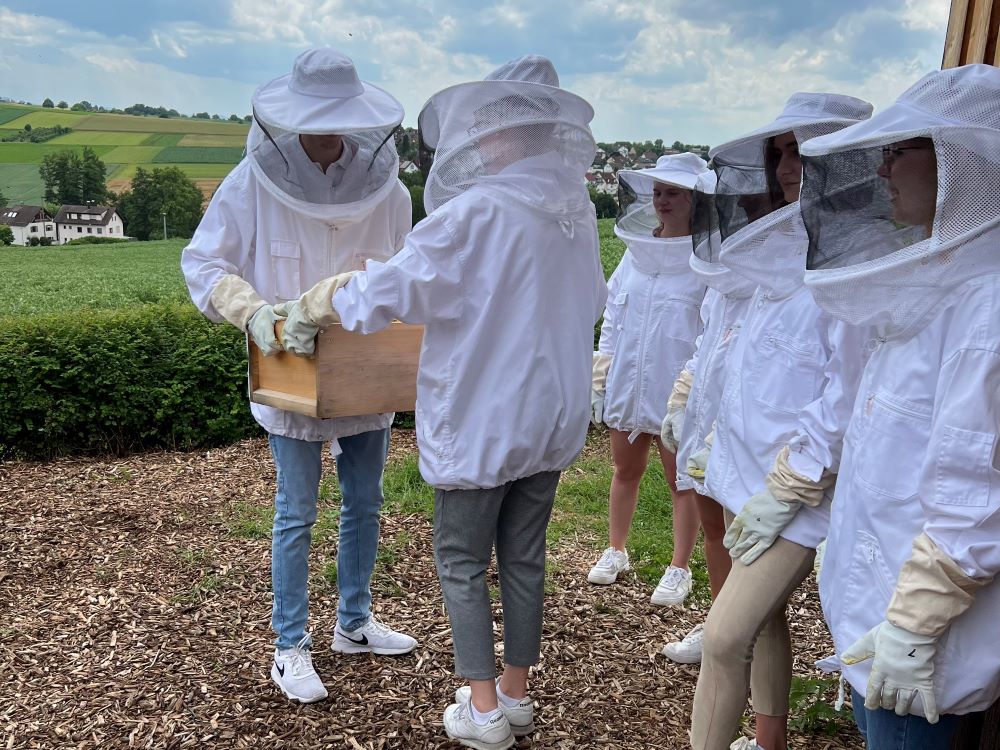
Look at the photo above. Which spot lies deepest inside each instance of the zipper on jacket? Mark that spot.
(642, 353)
(894, 408)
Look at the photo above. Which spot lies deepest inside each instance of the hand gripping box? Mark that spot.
(350, 374)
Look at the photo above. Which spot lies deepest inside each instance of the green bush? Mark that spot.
(158, 376)
(94, 240)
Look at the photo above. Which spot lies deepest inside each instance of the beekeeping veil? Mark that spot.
(746, 224)
(323, 95)
(476, 129)
(711, 272)
(867, 268)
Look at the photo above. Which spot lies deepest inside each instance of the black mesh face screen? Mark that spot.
(425, 156)
(626, 198)
(705, 227)
(847, 209)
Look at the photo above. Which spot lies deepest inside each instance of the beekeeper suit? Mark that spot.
(913, 545)
(694, 400)
(505, 276)
(789, 385)
(651, 320)
(281, 222)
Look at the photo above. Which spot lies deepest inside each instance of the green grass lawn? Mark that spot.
(96, 277)
(230, 141)
(199, 155)
(97, 138)
(44, 118)
(132, 154)
(33, 153)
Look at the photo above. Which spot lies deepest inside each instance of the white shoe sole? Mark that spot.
(663, 601)
(680, 658)
(481, 744)
(275, 678)
(356, 648)
(463, 694)
(603, 579)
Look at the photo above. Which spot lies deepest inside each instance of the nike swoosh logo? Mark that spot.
(362, 642)
(280, 668)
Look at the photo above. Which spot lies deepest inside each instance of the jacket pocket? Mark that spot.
(786, 374)
(892, 446)
(285, 269)
(360, 257)
(962, 468)
(870, 584)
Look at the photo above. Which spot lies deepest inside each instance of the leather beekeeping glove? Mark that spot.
(767, 513)
(932, 590)
(670, 429)
(309, 313)
(238, 302)
(697, 464)
(602, 363)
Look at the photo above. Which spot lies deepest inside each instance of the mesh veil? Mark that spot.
(866, 267)
(477, 129)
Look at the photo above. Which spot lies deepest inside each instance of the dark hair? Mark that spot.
(772, 158)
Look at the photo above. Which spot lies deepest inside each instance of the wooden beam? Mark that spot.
(979, 32)
(956, 34)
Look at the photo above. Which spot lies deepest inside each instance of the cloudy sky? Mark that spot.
(700, 71)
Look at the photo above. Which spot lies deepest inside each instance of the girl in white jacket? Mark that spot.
(650, 326)
(903, 213)
(789, 383)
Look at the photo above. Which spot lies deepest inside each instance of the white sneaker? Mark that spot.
(744, 744)
(606, 569)
(372, 637)
(520, 717)
(673, 587)
(688, 649)
(292, 671)
(495, 734)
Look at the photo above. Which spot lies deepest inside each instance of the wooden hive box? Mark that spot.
(351, 374)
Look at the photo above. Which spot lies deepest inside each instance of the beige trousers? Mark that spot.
(747, 644)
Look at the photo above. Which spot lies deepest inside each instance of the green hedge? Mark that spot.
(158, 376)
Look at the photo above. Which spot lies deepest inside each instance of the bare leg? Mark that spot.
(686, 518)
(717, 556)
(630, 460)
(772, 732)
(514, 681)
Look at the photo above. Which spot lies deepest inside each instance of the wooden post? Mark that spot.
(972, 38)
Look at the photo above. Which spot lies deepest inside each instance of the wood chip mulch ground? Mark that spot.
(136, 614)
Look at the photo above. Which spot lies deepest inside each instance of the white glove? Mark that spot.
(670, 429)
(697, 463)
(309, 313)
(261, 330)
(902, 668)
(596, 407)
(758, 525)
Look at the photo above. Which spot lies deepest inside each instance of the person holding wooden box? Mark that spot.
(505, 275)
(316, 195)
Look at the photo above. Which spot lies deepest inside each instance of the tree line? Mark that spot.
(141, 110)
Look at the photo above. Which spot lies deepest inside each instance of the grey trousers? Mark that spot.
(467, 525)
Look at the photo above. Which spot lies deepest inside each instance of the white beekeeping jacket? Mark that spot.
(283, 252)
(921, 457)
(508, 284)
(650, 325)
(722, 315)
(790, 380)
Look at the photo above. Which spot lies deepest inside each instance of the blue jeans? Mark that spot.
(359, 469)
(884, 730)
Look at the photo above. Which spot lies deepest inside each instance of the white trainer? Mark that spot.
(372, 637)
(292, 671)
(495, 734)
(521, 716)
(673, 587)
(606, 569)
(744, 744)
(688, 649)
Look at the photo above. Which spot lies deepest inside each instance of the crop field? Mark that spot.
(205, 150)
(198, 155)
(226, 141)
(97, 138)
(20, 183)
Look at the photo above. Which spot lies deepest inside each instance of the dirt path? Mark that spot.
(136, 597)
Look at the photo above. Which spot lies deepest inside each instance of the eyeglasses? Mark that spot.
(891, 153)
